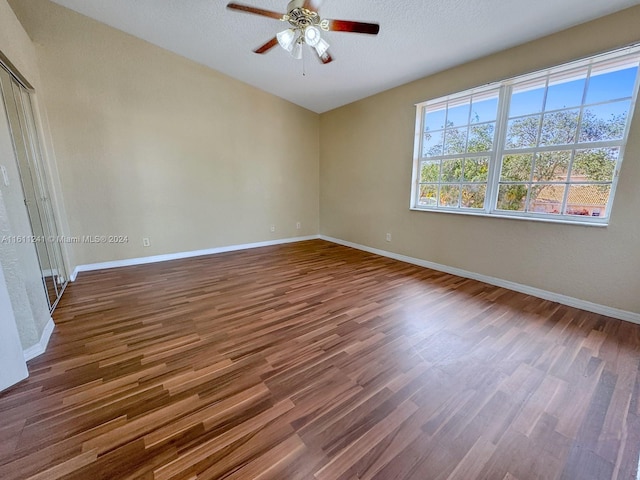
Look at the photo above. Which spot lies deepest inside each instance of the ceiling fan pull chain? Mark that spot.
(304, 73)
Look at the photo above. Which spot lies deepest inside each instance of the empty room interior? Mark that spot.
(319, 240)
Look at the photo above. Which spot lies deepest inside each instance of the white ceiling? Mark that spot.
(417, 38)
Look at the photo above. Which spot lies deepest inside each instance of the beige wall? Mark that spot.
(15, 43)
(150, 144)
(366, 162)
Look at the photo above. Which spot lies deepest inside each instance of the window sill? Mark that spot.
(601, 224)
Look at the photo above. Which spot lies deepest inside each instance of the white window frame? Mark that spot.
(504, 89)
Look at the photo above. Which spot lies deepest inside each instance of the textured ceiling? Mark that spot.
(417, 38)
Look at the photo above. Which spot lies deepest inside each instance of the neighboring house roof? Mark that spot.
(578, 195)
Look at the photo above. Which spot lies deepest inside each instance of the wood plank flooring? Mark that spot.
(315, 361)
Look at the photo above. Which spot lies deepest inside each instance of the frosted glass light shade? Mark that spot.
(287, 39)
(312, 36)
(296, 52)
(321, 47)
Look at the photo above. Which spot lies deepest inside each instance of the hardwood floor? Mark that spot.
(316, 361)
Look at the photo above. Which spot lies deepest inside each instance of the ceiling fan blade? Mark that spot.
(325, 57)
(267, 46)
(255, 11)
(355, 27)
(312, 5)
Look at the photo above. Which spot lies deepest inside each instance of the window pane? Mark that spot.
(526, 102)
(611, 85)
(552, 166)
(588, 200)
(484, 110)
(546, 199)
(429, 172)
(450, 195)
(481, 137)
(604, 122)
(428, 196)
(456, 141)
(512, 197)
(459, 115)
(559, 128)
(476, 169)
(435, 120)
(595, 165)
(565, 95)
(451, 170)
(523, 132)
(432, 144)
(473, 196)
(516, 168)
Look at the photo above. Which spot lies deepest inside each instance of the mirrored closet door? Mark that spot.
(45, 232)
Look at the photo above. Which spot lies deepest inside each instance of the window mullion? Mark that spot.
(570, 146)
(417, 156)
(495, 160)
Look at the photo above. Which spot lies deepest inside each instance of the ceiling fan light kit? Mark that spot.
(312, 36)
(321, 47)
(296, 51)
(306, 26)
(287, 38)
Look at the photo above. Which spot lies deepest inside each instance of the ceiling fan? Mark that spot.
(305, 26)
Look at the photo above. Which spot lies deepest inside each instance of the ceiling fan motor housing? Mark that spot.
(295, 4)
(301, 17)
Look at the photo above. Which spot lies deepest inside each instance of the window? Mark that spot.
(544, 146)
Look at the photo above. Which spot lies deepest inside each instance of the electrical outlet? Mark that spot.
(146, 242)
(273, 228)
(298, 226)
(388, 237)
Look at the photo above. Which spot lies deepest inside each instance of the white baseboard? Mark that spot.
(50, 272)
(535, 292)
(40, 347)
(176, 256)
